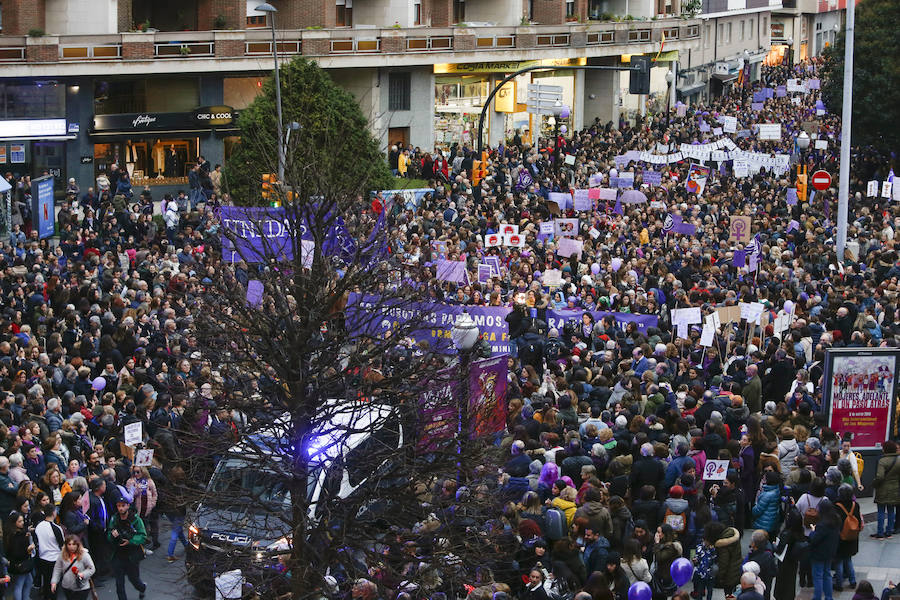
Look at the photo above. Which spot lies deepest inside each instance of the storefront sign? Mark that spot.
(17, 153)
(505, 100)
(29, 128)
(204, 117)
(3, 154)
(506, 66)
(42, 209)
(860, 393)
(214, 115)
(86, 160)
(74, 127)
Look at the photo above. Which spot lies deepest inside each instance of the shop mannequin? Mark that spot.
(172, 163)
(159, 158)
(130, 157)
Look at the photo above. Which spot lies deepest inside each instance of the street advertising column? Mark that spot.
(861, 393)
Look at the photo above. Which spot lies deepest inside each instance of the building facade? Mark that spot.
(152, 85)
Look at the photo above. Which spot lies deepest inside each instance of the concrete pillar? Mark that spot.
(600, 96)
(212, 93)
(80, 110)
(578, 95)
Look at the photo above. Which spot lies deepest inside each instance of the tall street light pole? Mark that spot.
(670, 79)
(846, 115)
(270, 11)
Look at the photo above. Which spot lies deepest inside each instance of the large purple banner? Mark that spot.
(438, 320)
(263, 233)
(487, 399)
(438, 411)
(558, 318)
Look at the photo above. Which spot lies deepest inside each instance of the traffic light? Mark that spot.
(479, 169)
(269, 191)
(801, 183)
(639, 76)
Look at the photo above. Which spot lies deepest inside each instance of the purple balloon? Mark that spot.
(616, 263)
(595, 268)
(640, 591)
(681, 571)
(98, 384)
(565, 112)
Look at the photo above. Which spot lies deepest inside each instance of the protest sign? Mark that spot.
(567, 247)
(552, 278)
(715, 470)
(739, 229)
(565, 227)
(134, 434)
(514, 240)
(581, 200)
(729, 124)
(143, 458)
(769, 131)
(484, 273)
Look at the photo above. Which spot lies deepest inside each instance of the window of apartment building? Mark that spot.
(639, 35)
(743, 30)
(398, 91)
(570, 10)
(671, 33)
(765, 23)
(459, 11)
(728, 35)
(751, 30)
(707, 37)
(720, 36)
(694, 31)
(256, 21)
(417, 12)
(343, 16)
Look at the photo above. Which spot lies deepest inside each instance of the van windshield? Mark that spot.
(235, 479)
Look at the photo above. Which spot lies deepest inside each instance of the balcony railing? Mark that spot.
(341, 41)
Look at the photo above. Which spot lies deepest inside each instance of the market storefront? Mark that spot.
(460, 91)
(159, 148)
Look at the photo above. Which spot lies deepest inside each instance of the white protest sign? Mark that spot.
(872, 189)
(594, 233)
(756, 311)
(143, 458)
(729, 124)
(895, 192)
(514, 240)
(134, 434)
(688, 316)
(683, 330)
(568, 246)
(546, 228)
(508, 228)
(552, 277)
(886, 189)
(796, 100)
(715, 470)
(770, 131)
(821, 144)
(570, 159)
(707, 336)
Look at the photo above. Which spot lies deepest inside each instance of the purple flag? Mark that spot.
(757, 106)
(740, 259)
(618, 207)
(793, 225)
(792, 196)
(254, 292)
(452, 270)
(759, 96)
(781, 91)
(562, 199)
(769, 92)
(525, 179)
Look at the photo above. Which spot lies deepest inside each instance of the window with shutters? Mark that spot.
(398, 91)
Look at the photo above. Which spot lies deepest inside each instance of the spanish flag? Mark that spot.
(662, 43)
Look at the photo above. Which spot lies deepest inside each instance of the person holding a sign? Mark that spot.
(143, 489)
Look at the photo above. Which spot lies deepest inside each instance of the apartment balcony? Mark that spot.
(216, 50)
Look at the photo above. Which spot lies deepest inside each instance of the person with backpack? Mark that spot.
(50, 541)
(766, 512)
(676, 512)
(856, 462)
(851, 526)
(792, 543)
(887, 489)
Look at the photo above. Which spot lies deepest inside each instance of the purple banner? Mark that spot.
(262, 233)
(759, 96)
(452, 270)
(487, 400)
(437, 411)
(558, 318)
(757, 106)
(652, 177)
(791, 198)
(781, 91)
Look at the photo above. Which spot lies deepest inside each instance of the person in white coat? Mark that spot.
(171, 219)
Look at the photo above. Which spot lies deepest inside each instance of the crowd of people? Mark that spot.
(609, 427)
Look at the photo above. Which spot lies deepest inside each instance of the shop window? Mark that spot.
(399, 91)
(148, 161)
(41, 99)
(343, 16)
(459, 11)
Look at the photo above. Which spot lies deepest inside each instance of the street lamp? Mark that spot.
(790, 43)
(270, 11)
(464, 335)
(803, 141)
(670, 79)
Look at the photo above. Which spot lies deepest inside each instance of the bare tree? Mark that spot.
(331, 467)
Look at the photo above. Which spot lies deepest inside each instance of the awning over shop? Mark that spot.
(690, 90)
(726, 77)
